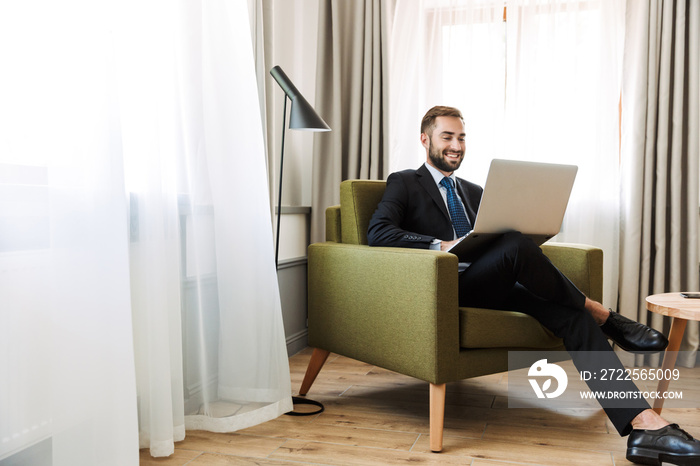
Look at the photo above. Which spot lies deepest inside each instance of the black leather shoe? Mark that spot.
(670, 444)
(632, 336)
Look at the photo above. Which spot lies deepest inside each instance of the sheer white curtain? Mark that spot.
(131, 169)
(447, 52)
(543, 85)
(210, 346)
(67, 389)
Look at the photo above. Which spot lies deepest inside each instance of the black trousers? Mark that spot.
(513, 274)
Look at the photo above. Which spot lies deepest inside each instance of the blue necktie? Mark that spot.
(459, 219)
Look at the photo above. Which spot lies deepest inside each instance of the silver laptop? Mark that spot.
(528, 197)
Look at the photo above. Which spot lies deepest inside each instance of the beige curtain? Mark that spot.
(660, 151)
(352, 96)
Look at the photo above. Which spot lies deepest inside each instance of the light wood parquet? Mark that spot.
(377, 417)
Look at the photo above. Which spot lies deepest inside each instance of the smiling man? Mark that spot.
(430, 208)
(447, 152)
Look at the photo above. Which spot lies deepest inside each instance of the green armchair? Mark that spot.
(397, 308)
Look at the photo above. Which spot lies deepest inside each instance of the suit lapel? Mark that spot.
(428, 182)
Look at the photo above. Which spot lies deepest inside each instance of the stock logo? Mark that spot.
(542, 369)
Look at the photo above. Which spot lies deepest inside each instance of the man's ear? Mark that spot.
(425, 140)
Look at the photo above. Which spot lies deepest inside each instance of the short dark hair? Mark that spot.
(428, 123)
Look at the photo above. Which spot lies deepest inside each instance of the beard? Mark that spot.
(440, 162)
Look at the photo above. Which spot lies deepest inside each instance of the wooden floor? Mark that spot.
(377, 417)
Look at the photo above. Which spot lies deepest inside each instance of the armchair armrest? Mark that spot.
(392, 307)
(582, 264)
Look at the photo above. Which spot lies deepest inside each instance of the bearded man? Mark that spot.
(431, 208)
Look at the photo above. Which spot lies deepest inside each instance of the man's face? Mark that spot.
(445, 147)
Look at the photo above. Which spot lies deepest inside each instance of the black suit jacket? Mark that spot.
(412, 212)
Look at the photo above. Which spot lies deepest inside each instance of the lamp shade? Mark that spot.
(302, 115)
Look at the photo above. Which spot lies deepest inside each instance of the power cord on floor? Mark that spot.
(305, 401)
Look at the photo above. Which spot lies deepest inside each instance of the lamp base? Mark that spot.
(297, 400)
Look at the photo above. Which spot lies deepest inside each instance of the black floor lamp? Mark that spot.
(302, 117)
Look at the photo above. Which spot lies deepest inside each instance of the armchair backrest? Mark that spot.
(358, 201)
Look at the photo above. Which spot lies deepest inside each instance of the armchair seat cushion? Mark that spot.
(489, 328)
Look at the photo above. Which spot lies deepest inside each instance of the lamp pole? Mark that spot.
(279, 194)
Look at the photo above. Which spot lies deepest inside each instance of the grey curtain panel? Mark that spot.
(660, 152)
(352, 96)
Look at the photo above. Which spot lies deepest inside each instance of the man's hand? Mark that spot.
(445, 245)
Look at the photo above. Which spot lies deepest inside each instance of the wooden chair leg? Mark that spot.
(437, 416)
(318, 359)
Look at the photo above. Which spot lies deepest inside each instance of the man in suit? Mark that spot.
(431, 208)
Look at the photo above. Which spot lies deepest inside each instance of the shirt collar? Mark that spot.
(437, 176)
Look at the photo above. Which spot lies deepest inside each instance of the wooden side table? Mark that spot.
(681, 310)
